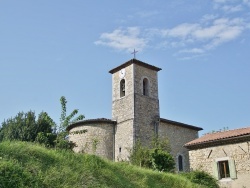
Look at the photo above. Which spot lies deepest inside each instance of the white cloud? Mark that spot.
(220, 29)
(208, 32)
(223, 37)
(220, 1)
(204, 36)
(146, 14)
(230, 6)
(208, 17)
(231, 9)
(181, 31)
(246, 2)
(198, 37)
(123, 39)
(192, 39)
(193, 50)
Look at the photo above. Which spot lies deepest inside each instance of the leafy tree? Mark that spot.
(156, 157)
(61, 140)
(46, 139)
(45, 123)
(65, 120)
(162, 160)
(25, 127)
(140, 156)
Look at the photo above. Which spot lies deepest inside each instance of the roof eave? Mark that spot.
(218, 142)
(134, 61)
(90, 121)
(181, 124)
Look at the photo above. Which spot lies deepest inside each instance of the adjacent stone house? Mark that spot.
(135, 117)
(225, 155)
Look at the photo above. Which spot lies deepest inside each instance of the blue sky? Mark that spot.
(54, 48)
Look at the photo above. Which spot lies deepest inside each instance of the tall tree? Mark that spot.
(25, 127)
(45, 123)
(65, 120)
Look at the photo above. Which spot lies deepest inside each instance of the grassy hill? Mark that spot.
(29, 165)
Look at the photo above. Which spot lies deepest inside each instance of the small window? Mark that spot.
(122, 88)
(120, 149)
(180, 163)
(223, 169)
(145, 87)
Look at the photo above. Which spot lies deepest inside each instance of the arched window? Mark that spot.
(145, 87)
(122, 88)
(180, 163)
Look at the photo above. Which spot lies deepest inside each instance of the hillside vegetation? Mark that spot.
(24, 164)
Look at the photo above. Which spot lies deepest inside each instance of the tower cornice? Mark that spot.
(137, 62)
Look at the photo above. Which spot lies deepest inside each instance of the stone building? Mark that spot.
(225, 155)
(135, 117)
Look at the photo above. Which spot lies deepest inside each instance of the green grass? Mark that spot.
(30, 165)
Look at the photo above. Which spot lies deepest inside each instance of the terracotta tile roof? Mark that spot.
(90, 121)
(134, 61)
(219, 137)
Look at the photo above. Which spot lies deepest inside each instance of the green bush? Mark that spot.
(12, 175)
(61, 141)
(162, 161)
(46, 139)
(202, 178)
(157, 158)
(140, 156)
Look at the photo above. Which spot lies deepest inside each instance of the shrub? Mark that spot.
(162, 161)
(156, 158)
(47, 139)
(202, 178)
(140, 156)
(13, 175)
(62, 142)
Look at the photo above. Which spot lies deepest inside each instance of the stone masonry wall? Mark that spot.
(146, 117)
(123, 113)
(178, 136)
(146, 107)
(99, 135)
(203, 159)
(122, 109)
(141, 73)
(123, 140)
(128, 83)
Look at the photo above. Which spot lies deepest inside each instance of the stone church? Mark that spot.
(135, 116)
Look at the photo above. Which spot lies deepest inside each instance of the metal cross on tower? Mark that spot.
(134, 52)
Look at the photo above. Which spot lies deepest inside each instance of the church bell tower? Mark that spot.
(135, 105)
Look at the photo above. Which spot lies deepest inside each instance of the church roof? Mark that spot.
(220, 138)
(90, 121)
(181, 124)
(134, 61)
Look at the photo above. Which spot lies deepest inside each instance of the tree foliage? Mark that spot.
(202, 178)
(61, 141)
(25, 127)
(157, 156)
(43, 130)
(162, 160)
(140, 156)
(65, 120)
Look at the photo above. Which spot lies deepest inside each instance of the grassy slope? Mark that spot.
(29, 165)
